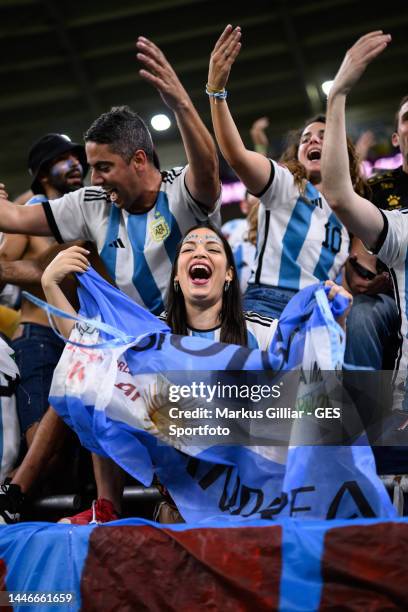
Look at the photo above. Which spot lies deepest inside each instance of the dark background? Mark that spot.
(65, 63)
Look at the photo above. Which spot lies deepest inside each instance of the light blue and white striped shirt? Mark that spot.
(260, 330)
(300, 240)
(137, 249)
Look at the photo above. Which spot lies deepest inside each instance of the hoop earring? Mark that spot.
(176, 286)
(226, 286)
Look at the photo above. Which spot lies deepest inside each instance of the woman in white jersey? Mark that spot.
(300, 240)
(203, 299)
(204, 295)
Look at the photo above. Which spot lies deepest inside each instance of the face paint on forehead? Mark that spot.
(201, 240)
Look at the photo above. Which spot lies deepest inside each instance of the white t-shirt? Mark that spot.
(137, 249)
(392, 249)
(300, 240)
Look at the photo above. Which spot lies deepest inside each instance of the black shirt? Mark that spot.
(389, 189)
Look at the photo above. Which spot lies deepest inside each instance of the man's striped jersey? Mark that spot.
(300, 240)
(260, 330)
(392, 249)
(137, 249)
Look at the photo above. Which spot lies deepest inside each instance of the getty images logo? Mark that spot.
(117, 244)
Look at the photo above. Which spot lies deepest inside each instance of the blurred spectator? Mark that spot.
(258, 135)
(373, 322)
(9, 428)
(244, 249)
(365, 141)
(235, 229)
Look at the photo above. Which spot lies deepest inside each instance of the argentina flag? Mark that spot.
(113, 386)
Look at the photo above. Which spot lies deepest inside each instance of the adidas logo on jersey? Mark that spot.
(117, 244)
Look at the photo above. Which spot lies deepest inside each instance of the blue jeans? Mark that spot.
(371, 344)
(372, 332)
(37, 351)
(268, 301)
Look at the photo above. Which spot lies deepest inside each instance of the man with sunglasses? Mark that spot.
(373, 325)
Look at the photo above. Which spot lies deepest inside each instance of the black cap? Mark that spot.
(48, 148)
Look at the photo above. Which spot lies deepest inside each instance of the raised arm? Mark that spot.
(73, 259)
(254, 169)
(359, 215)
(18, 219)
(259, 138)
(202, 177)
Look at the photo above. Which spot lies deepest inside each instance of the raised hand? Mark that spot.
(159, 72)
(3, 192)
(73, 259)
(223, 56)
(339, 290)
(357, 59)
(365, 141)
(259, 138)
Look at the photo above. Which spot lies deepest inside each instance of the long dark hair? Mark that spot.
(233, 328)
(289, 158)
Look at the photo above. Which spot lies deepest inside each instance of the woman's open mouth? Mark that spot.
(200, 273)
(314, 155)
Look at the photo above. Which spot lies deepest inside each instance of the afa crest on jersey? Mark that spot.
(159, 228)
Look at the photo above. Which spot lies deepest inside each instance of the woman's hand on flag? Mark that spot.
(73, 259)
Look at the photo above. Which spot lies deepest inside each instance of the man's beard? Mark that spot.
(61, 184)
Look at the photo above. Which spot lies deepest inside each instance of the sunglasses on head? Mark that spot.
(361, 270)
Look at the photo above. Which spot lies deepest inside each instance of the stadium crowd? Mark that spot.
(310, 217)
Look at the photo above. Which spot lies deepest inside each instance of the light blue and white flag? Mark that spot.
(113, 398)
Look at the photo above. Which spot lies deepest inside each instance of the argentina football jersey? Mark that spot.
(392, 249)
(300, 240)
(260, 330)
(137, 249)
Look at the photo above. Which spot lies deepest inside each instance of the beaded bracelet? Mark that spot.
(219, 94)
(212, 89)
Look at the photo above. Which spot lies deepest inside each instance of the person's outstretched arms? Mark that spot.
(18, 219)
(70, 260)
(358, 214)
(202, 177)
(254, 169)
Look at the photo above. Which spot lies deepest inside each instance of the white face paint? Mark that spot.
(66, 173)
(202, 267)
(201, 240)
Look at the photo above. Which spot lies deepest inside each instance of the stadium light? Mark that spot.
(326, 86)
(160, 123)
